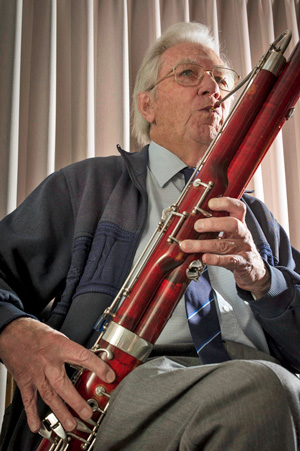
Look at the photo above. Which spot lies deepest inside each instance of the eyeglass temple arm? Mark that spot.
(285, 37)
(238, 86)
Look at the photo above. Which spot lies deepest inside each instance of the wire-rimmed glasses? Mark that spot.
(191, 74)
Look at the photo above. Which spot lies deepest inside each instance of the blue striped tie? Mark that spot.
(202, 315)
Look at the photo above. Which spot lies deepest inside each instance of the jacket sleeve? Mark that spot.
(35, 250)
(278, 311)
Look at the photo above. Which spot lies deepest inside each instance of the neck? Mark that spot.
(191, 157)
(190, 149)
(189, 154)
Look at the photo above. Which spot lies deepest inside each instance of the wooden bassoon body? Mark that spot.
(150, 294)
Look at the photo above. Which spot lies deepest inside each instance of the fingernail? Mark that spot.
(186, 246)
(34, 426)
(199, 225)
(213, 203)
(70, 424)
(110, 377)
(85, 412)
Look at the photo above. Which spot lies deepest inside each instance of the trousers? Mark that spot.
(174, 403)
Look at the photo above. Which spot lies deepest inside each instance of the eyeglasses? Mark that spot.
(191, 74)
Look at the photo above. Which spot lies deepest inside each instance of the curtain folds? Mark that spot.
(67, 69)
(68, 66)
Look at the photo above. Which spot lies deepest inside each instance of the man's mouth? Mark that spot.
(211, 109)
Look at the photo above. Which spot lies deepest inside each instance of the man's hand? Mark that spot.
(236, 251)
(35, 355)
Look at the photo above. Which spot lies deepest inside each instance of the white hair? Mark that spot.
(148, 72)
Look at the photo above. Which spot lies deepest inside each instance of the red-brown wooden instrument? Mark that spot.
(163, 273)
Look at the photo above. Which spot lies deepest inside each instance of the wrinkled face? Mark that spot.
(181, 118)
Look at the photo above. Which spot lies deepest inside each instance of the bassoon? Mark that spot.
(132, 324)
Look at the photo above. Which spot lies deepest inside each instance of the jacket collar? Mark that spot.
(136, 163)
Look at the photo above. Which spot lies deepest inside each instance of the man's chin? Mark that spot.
(206, 134)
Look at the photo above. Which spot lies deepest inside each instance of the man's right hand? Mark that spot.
(35, 355)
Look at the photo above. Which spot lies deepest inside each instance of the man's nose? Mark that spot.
(208, 85)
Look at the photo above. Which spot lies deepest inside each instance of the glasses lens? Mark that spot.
(226, 78)
(188, 74)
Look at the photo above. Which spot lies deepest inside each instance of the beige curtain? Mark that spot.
(67, 68)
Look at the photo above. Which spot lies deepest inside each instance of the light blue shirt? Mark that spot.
(164, 185)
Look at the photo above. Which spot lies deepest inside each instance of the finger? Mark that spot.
(29, 398)
(230, 262)
(244, 271)
(234, 207)
(78, 355)
(62, 385)
(57, 406)
(67, 351)
(231, 226)
(221, 247)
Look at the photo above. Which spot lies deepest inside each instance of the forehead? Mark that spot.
(203, 55)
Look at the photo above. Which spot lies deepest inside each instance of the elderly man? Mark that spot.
(74, 240)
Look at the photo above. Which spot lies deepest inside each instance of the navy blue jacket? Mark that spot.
(74, 238)
(67, 239)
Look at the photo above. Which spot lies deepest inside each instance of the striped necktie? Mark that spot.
(187, 172)
(202, 314)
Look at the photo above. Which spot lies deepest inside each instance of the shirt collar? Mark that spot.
(163, 163)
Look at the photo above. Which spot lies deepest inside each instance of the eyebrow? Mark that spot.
(193, 61)
(187, 60)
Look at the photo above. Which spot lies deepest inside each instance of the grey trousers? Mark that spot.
(170, 404)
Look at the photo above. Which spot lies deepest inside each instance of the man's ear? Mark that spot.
(145, 106)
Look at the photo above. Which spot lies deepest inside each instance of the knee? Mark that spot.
(260, 405)
(255, 384)
(247, 409)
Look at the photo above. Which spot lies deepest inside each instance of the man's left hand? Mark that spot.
(236, 250)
